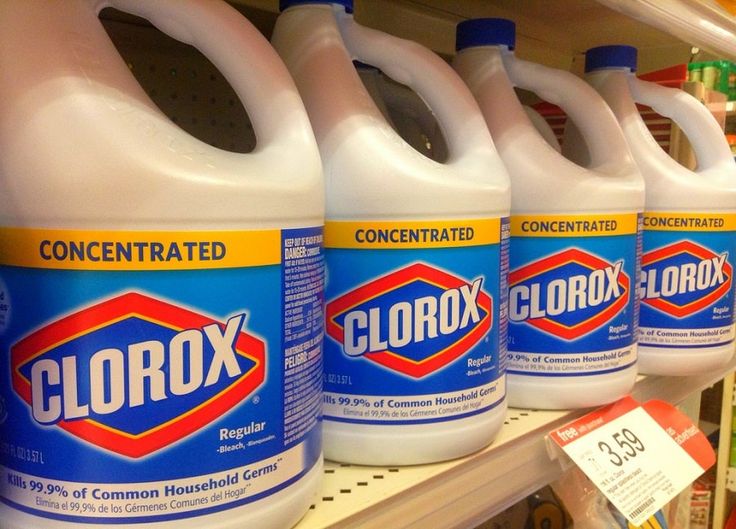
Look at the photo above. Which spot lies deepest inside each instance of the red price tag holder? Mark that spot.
(639, 455)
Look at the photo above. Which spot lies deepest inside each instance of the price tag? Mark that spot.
(639, 456)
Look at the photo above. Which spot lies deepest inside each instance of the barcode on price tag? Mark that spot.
(639, 456)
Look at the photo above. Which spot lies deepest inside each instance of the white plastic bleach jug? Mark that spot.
(544, 128)
(686, 284)
(574, 230)
(416, 251)
(161, 300)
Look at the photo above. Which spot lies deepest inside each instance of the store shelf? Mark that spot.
(543, 28)
(465, 492)
(704, 23)
(708, 428)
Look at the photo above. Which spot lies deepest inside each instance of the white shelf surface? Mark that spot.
(709, 24)
(464, 493)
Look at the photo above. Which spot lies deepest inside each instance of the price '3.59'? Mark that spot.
(627, 442)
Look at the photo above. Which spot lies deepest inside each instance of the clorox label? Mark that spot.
(123, 378)
(413, 320)
(136, 393)
(572, 303)
(569, 294)
(686, 285)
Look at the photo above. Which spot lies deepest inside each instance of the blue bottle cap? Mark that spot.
(610, 57)
(485, 32)
(347, 4)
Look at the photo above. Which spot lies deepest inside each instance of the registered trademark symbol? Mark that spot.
(256, 399)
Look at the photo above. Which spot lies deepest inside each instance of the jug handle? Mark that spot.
(234, 46)
(412, 64)
(695, 120)
(595, 120)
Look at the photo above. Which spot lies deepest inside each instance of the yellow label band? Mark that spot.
(689, 221)
(412, 234)
(573, 225)
(729, 5)
(138, 250)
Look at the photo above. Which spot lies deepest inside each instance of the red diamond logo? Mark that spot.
(692, 300)
(419, 281)
(105, 412)
(572, 262)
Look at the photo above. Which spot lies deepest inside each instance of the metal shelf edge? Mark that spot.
(465, 492)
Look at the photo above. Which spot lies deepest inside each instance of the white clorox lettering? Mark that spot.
(411, 321)
(146, 371)
(565, 295)
(684, 278)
